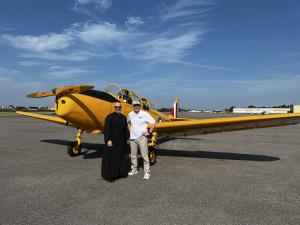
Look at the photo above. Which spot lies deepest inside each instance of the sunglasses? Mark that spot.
(118, 107)
(136, 105)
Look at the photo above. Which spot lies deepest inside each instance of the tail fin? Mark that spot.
(174, 110)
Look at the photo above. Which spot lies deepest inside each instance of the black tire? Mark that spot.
(152, 156)
(74, 149)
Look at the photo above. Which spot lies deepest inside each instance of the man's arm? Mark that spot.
(107, 131)
(151, 120)
(129, 127)
(152, 128)
(128, 123)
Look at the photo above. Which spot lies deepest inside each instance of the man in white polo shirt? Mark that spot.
(137, 123)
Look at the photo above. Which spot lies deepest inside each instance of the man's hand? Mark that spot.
(109, 143)
(146, 134)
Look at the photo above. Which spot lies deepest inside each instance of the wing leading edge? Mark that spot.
(55, 119)
(203, 126)
(45, 117)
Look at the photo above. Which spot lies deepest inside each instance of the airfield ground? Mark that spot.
(242, 177)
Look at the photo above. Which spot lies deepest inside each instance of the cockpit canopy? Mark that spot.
(128, 96)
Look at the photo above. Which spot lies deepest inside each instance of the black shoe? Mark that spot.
(109, 179)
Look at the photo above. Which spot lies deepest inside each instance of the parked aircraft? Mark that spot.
(85, 109)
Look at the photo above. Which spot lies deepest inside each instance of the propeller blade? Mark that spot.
(40, 94)
(72, 89)
(61, 91)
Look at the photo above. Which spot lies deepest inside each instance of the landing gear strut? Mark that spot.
(153, 149)
(75, 148)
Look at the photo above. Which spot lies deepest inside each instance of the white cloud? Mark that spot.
(66, 72)
(101, 4)
(91, 7)
(99, 33)
(32, 63)
(186, 9)
(109, 40)
(167, 49)
(60, 47)
(47, 42)
(77, 56)
(178, 39)
(164, 42)
(134, 22)
(206, 66)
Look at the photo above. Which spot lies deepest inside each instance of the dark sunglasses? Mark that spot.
(118, 107)
(136, 105)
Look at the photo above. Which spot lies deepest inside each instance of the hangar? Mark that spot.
(262, 110)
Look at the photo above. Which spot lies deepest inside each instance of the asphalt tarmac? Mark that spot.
(241, 177)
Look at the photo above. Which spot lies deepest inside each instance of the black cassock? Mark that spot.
(113, 158)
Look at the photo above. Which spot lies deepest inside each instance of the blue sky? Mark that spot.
(212, 54)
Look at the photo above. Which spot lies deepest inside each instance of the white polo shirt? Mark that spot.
(139, 123)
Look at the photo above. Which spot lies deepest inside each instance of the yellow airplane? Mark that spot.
(84, 108)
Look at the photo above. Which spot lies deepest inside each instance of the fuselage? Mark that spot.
(88, 110)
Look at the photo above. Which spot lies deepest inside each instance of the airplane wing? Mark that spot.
(56, 120)
(203, 126)
(45, 117)
(181, 119)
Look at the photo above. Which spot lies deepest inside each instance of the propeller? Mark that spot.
(61, 91)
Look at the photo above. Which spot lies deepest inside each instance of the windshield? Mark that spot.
(113, 89)
(129, 96)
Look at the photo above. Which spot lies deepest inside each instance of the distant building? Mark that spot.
(18, 108)
(217, 111)
(33, 108)
(194, 111)
(261, 110)
(7, 107)
(296, 109)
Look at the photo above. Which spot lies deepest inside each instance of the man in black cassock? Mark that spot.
(115, 137)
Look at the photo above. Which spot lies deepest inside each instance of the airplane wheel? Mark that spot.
(152, 156)
(74, 149)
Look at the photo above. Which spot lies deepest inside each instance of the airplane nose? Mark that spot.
(63, 106)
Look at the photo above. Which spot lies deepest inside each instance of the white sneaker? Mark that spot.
(133, 172)
(146, 176)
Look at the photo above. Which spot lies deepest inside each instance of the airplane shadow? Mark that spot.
(89, 150)
(217, 155)
(170, 138)
(93, 151)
